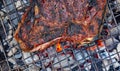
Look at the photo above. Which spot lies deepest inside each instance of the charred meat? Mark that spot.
(47, 22)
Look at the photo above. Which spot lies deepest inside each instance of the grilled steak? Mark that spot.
(47, 22)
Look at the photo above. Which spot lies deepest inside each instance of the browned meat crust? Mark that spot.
(47, 22)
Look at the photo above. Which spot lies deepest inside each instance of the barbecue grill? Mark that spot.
(91, 57)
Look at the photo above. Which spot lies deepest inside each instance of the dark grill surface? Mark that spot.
(100, 55)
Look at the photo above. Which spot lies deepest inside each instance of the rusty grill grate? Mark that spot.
(104, 57)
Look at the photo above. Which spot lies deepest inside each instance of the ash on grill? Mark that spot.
(103, 56)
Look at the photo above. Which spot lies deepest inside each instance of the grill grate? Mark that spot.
(103, 58)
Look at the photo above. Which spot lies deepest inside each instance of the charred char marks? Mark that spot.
(53, 34)
(74, 29)
(91, 28)
(92, 2)
(53, 13)
(99, 21)
(61, 16)
(46, 37)
(29, 45)
(57, 33)
(46, 29)
(41, 23)
(19, 34)
(28, 27)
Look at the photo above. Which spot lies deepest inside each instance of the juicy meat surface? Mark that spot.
(47, 22)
